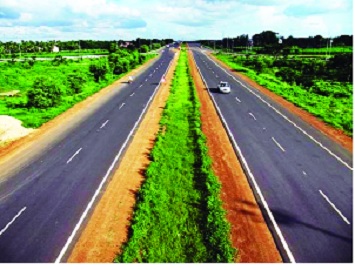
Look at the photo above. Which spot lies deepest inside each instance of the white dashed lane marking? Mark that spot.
(279, 145)
(121, 106)
(72, 157)
(252, 115)
(104, 124)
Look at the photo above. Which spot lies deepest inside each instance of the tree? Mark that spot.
(266, 38)
(99, 70)
(144, 49)
(318, 41)
(113, 47)
(45, 93)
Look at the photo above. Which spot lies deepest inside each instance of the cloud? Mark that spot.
(9, 13)
(311, 8)
(304, 11)
(131, 23)
(260, 2)
(194, 23)
(181, 19)
(48, 23)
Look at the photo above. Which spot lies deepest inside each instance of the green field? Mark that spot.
(48, 88)
(322, 88)
(178, 215)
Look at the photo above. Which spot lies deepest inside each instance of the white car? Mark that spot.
(224, 87)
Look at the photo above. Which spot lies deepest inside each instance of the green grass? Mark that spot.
(322, 100)
(331, 50)
(178, 215)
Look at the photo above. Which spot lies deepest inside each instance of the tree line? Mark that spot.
(29, 46)
(270, 38)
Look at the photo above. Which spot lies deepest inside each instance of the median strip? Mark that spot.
(178, 216)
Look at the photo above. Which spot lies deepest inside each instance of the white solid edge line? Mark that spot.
(279, 145)
(334, 207)
(285, 117)
(76, 153)
(85, 213)
(251, 176)
(12, 221)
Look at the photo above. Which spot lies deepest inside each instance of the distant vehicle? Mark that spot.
(130, 79)
(224, 87)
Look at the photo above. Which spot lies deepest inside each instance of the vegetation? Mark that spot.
(49, 88)
(324, 88)
(178, 215)
(269, 42)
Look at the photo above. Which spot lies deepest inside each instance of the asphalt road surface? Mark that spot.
(303, 180)
(44, 201)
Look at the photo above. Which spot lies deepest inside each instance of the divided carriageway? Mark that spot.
(302, 179)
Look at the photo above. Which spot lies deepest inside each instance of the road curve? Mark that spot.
(43, 201)
(302, 179)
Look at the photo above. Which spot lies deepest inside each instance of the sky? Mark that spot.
(176, 19)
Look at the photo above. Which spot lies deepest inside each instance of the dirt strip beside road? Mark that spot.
(249, 231)
(108, 226)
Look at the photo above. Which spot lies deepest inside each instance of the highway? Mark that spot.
(302, 179)
(45, 200)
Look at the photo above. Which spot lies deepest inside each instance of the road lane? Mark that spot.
(56, 192)
(279, 156)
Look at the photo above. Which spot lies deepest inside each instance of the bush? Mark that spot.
(76, 82)
(45, 93)
(99, 70)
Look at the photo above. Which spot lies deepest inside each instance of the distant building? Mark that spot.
(125, 44)
(55, 49)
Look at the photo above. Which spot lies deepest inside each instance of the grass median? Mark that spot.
(178, 215)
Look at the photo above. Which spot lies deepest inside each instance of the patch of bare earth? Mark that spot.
(335, 134)
(249, 231)
(108, 226)
(11, 129)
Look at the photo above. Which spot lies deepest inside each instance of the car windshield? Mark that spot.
(224, 84)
